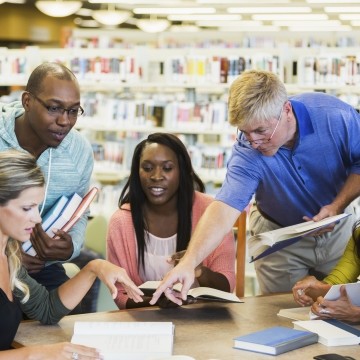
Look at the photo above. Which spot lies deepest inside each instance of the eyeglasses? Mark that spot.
(53, 110)
(245, 141)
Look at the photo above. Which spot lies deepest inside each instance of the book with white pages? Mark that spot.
(299, 313)
(47, 220)
(352, 291)
(331, 332)
(65, 215)
(201, 292)
(126, 340)
(263, 244)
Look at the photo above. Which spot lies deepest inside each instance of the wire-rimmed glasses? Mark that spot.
(241, 137)
(54, 110)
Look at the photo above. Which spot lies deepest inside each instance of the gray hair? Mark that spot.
(255, 95)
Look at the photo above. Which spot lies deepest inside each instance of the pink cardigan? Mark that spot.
(121, 246)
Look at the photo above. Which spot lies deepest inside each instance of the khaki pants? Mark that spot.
(279, 271)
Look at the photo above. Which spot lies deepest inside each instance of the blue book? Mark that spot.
(275, 340)
(53, 213)
(65, 214)
(47, 220)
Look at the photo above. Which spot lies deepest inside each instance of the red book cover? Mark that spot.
(85, 202)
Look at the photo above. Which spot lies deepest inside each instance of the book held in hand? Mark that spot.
(331, 332)
(275, 340)
(126, 340)
(201, 292)
(352, 292)
(63, 215)
(266, 243)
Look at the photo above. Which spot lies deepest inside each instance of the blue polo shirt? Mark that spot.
(299, 181)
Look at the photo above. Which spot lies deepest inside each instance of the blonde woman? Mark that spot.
(21, 192)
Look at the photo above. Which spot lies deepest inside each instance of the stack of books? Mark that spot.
(63, 215)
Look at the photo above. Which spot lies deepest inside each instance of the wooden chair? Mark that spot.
(240, 225)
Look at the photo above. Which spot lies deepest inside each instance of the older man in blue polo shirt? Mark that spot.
(300, 157)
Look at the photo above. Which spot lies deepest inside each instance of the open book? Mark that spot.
(263, 244)
(126, 340)
(201, 293)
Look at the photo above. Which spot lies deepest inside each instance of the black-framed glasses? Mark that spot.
(246, 141)
(54, 110)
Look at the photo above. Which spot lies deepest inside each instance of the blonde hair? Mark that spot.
(255, 95)
(18, 172)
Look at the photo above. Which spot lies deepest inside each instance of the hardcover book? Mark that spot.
(54, 212)
(263, 244)
(84, 204)
(331, 332)
(201, 292)
(63, 215)
(275, 340)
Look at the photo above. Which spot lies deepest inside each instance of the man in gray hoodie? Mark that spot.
(42, 124)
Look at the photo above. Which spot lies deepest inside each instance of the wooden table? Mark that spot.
(204, 331)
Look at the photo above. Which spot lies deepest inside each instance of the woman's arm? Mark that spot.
(73, 290)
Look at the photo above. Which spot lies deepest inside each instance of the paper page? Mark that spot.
(126, 340)
(352, 289)
(208, 293)
(313, 225)
(299, 313)
(122, 328)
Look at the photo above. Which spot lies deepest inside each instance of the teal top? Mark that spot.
(71, 166)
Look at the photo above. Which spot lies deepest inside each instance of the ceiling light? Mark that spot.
(333, 1)
(269, 10)
(319, 28)
(224, 23)
(167, 11)
(201, 17)
(253, 29)
(341, 9)
(300, 17)
(307, 23)
(349, 16)
(58, 8)
(110, 17)
(152, 25)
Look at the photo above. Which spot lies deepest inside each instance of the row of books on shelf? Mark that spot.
(117, 155)
(329, 69)
(130, 69)
(111, 112)
(63, 215)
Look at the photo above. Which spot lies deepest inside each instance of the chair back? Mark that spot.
(240, 227)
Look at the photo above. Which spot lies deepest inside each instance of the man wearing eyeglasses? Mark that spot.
(299, 158)
(42, 124)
